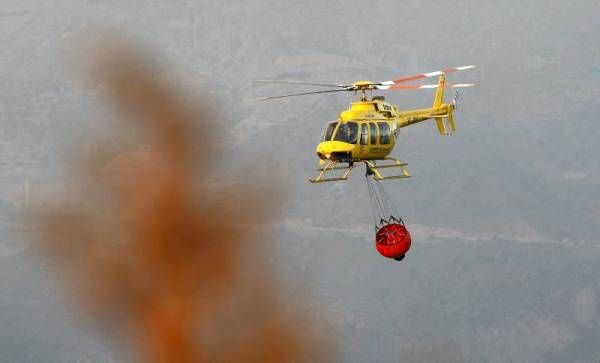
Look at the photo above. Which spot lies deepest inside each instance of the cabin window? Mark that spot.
(328, 132)
(384, 133)
(364, 134)
(347, 132)
(373, 128)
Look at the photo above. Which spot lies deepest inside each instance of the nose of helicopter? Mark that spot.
(333, 149)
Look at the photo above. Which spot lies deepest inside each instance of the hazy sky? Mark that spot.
(505, 214)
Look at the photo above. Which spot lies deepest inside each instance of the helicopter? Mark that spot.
(367, 131)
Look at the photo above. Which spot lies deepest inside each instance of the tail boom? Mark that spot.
(439, 111)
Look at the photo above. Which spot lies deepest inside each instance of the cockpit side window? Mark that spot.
(364, 134)
(347, 132)
(373, 128)
(384, 133)
(328, 132)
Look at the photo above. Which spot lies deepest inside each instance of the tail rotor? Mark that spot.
(455, 99)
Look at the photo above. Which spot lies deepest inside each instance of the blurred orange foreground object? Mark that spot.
(157, 252)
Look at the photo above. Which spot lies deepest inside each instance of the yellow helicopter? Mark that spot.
(367, 131)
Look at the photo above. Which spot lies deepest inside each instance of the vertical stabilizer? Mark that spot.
(437, 103)
(439, 93)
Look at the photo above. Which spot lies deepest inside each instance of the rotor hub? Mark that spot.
(363, 85)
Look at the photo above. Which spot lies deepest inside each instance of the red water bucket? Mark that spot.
(393, 240)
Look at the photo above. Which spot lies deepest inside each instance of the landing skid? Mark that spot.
(329, 169)
(375, 170)
(372, 169)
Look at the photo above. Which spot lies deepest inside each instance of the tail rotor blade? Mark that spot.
(455, 98)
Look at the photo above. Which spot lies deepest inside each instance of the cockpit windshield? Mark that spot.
(347, 132)
(328, 132)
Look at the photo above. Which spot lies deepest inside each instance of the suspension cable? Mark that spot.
(384, 211)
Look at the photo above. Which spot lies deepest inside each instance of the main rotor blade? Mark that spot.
(301, 94)
(295, 82)
(422, 86)
(426, 75)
